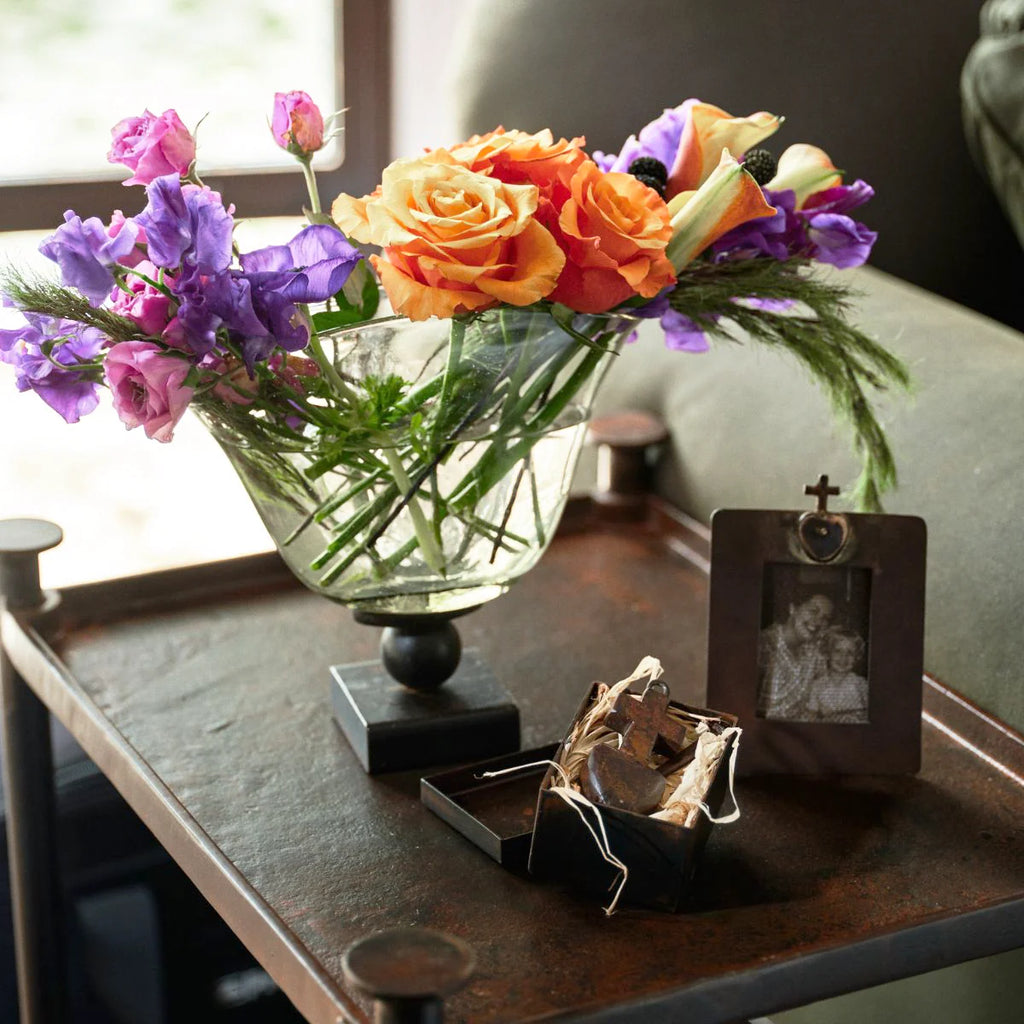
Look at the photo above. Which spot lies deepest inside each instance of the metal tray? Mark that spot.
(203, 694)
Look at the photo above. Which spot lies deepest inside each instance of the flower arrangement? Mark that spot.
(502, 238)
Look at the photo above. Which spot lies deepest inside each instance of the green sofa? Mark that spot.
(877, 86)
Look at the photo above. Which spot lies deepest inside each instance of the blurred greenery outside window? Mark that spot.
(72, 70)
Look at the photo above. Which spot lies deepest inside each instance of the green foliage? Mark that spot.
(38, 296)
(356, 303)
(844, 361)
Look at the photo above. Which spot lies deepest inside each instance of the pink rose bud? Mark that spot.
(140, 302)
(152, 146)
(297, 125)
(148, 387)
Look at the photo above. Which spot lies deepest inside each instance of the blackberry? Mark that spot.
(761, 165)
(651, 182)
(648, 167)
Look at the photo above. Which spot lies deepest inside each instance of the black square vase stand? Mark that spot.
(426, 702)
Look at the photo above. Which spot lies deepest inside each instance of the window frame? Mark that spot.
(363, 40)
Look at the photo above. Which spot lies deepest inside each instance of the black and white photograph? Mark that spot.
(813, 645)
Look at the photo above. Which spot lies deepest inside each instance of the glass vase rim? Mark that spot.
(572, 415)
(628, 319)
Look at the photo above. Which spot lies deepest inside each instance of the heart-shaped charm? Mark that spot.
(612, 777)
(823, 534)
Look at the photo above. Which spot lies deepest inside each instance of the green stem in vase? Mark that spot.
(352, 527)
(432, 554)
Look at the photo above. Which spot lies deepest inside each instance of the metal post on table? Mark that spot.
(408, 972)
(36, 906)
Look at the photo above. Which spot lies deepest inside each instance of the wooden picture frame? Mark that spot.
(816, 637)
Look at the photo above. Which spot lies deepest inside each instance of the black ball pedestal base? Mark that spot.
(426, 702)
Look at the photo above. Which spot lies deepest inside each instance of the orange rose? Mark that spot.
(614, 230)
(518, 158)
(453, 240)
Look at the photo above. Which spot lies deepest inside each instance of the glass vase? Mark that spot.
(419, 468)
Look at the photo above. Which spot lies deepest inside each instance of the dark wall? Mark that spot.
(875, 84)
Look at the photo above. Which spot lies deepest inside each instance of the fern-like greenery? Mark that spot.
(47, 299)
(814, 329)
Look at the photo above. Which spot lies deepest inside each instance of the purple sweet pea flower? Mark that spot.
(71, 392)
(263, 309)
(767, 305)
(836, 238)
(186, 226)
(839, 199)
(682, 334)
(780, 236)
(85, 252)
(316, 262)
(198, 317)
(839, 240)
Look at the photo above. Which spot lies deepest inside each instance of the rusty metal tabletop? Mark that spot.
(203, 694)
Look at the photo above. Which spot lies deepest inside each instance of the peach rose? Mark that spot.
(453, 240)
(614, 230)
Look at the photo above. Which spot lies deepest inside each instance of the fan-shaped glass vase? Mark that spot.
(416, 468)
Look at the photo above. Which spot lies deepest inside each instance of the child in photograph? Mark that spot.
(840, 694)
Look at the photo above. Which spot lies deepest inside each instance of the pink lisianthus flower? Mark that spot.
(152, 146)
(234, 385)
(297, 124)
(142, 303)
(148, 387)
(118, 223)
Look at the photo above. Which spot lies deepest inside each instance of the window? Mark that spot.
(126, 503)
(72, 70)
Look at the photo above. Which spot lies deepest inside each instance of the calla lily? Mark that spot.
(707, 130)
(806, 170)
(729, 197)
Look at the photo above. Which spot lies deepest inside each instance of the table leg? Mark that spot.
(31, 852)
(36, 905)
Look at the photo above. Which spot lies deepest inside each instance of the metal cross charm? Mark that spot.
(620, 776)
(641, 723)
(822, 490)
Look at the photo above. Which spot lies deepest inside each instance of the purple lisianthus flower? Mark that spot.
(85, 252)
(316, 262)
(186, 226)
(659, 139)
(839, 240)
(37, 344)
